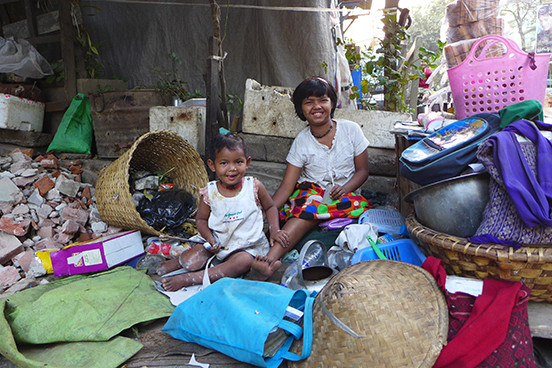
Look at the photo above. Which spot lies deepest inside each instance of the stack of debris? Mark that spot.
(43, 206)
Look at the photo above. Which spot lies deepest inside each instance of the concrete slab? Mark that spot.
(540, 319)
(268, 110)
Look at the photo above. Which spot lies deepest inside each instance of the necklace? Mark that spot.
(231, 187)
(323, 135)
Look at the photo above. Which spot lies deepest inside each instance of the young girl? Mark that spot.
(229, 219)
(327, 161)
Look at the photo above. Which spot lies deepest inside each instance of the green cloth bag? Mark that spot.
(74, 133)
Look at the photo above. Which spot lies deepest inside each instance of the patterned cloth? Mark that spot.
(306, 202)
(490, 331)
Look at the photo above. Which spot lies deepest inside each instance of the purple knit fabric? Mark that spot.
(532, 196)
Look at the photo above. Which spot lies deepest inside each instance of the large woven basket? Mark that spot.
(157, 151)
(531, 265)
(397, 310)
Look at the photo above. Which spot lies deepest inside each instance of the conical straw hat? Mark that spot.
(396, 309)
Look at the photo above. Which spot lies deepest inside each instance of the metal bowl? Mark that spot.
(454, 206)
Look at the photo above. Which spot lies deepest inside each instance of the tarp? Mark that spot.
(75, 322)
(276, 47)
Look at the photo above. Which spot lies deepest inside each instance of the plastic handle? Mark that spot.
(375, 247)
(508, 43)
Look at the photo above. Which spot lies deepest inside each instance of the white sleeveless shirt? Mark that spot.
(237, 222)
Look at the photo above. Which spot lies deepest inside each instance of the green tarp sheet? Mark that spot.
(75, 321)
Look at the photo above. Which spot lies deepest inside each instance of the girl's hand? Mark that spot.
(215, 247)
(281, 237)
(337, 192)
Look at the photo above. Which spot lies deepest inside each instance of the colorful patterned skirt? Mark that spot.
(306, 202)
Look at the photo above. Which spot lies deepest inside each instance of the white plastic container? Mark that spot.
(21, 114)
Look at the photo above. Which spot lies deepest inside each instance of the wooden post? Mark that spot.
(212, 81)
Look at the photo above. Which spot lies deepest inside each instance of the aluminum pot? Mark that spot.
(454, 206)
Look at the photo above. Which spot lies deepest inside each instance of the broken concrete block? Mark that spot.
(6, 174)
(70, 227)
(20, 285)
(24, 259)
(94, 215)
(47, 244)
(10, 225)
(45, 232)
(36, 198)
(63, 238)
(21, 181)
(18, 156)
(77, 214)
(99, 227)
(5, 208)
(9, 192)
(53, 195)
(29, 172)
(44, 184)
(20, 209)
(49, 164)
(66, 186)
(44, 211)
(18, 167)
(8, 276)
(10, 246)
(5, 160)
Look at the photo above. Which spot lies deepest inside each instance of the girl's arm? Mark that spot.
(287, 185)
(359, 177)
(271, 215)
(202, 223)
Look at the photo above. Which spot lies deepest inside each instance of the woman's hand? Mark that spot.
(337, 192)
(281, 237)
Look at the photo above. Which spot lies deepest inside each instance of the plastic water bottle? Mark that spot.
(327, 199)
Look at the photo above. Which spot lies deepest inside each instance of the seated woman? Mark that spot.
(327, 161)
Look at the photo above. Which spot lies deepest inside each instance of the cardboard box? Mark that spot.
(98, 254)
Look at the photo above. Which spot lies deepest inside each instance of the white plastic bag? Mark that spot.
(353, 237)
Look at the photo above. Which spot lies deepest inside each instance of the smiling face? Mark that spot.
(230, 166)
(317, 110)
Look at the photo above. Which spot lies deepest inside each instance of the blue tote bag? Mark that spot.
(235, 317)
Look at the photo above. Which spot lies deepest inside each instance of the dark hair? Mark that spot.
(230, 141)
(316, 87)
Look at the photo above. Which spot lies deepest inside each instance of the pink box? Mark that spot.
(98, 254)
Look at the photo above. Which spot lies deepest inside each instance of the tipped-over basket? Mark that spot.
(531, 265)
(157, 151)
(397, 311)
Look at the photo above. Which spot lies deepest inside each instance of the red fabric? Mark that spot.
(423, 82)
(491, 330)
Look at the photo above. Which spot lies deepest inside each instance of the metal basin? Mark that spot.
(454, 206)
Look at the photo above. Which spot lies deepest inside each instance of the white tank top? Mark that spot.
(237, 222)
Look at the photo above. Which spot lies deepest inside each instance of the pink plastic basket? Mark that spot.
(480, 84)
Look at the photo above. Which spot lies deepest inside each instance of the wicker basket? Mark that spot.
(157, 151)
(397, 310)
(531, 265)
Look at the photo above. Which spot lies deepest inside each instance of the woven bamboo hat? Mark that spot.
(396, 309)
(156, 151)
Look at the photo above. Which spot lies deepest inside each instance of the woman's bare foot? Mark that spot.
(168, 266)
(175, 283)
(262, 268)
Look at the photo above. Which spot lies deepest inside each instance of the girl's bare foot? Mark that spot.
(262, 268)
(168, 266)
(175, 283)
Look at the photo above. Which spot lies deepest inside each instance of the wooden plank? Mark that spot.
(45, 23)
(68, 49)
(212, 82)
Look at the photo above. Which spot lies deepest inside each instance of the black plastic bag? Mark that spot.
(167, 210)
